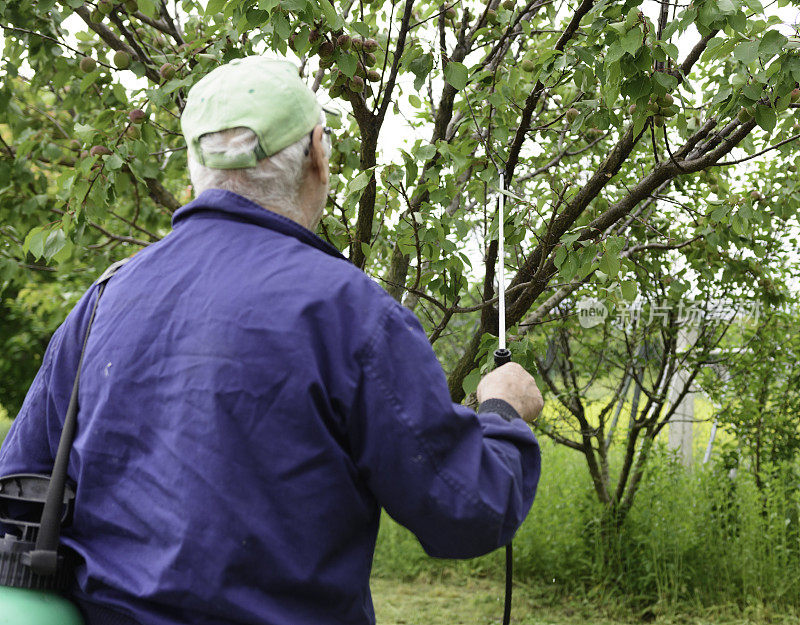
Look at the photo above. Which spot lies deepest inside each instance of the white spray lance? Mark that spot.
(502, 355)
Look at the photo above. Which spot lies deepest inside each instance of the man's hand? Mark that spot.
(513, 384)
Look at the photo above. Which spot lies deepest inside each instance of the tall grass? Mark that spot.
(700, 537)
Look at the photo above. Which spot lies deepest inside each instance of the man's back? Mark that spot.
(248, 401)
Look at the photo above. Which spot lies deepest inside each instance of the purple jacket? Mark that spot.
(249, 402)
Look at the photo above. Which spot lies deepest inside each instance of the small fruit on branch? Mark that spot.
(356, 84)
(105, 6)
(166, 71)
(137, 116)
(88, 64)
(122, 59)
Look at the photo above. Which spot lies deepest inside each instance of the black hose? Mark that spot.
(509, 575)
(501, 357)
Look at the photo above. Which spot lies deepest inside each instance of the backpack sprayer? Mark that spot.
(501, 356)
(34, 568)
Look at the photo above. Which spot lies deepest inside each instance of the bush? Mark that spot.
(5, 423)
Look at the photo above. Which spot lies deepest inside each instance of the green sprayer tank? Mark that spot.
(21, 606)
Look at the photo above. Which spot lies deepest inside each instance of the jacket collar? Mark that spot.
(233, 206)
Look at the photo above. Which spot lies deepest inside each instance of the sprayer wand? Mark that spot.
(501, 356)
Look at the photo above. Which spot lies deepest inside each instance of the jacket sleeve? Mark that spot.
(461, 482)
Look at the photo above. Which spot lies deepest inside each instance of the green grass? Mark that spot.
(458, 601)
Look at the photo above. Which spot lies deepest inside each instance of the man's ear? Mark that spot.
(319, 161)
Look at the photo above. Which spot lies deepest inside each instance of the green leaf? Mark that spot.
(113, 161)
(148, 7)
(359, 182)
(609, 265)
(569, 267)
(426, 152)
(560, 257)
(421, 66)
(348, 64)
(614, 53)
(766, 118)
(281, 25)
(456, 74)
(772, 43)
(668, 81)
(65, 252)
(34, 242)
(213, 6)
(614, 245)
(84, 131)
(632, 41)
(671, 29)
(746, 52)
(753, 91)
(720, 212)
(55, 243)
(51, 152)
(638, 124)
(26, 244)
(362, 29)
(334, 21)
(470, 383)
(628, 288)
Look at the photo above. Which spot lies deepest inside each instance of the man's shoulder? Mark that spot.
(341, 279)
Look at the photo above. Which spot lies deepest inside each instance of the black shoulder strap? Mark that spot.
(44, 559)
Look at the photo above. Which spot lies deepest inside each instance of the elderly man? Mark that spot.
(249, 400)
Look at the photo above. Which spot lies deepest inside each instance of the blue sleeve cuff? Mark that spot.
(500, 407)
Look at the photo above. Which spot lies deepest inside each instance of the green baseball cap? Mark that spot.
(265, 95)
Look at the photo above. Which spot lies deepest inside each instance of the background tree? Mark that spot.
(758, 391)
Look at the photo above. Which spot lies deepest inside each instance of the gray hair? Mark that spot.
(274, 182)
